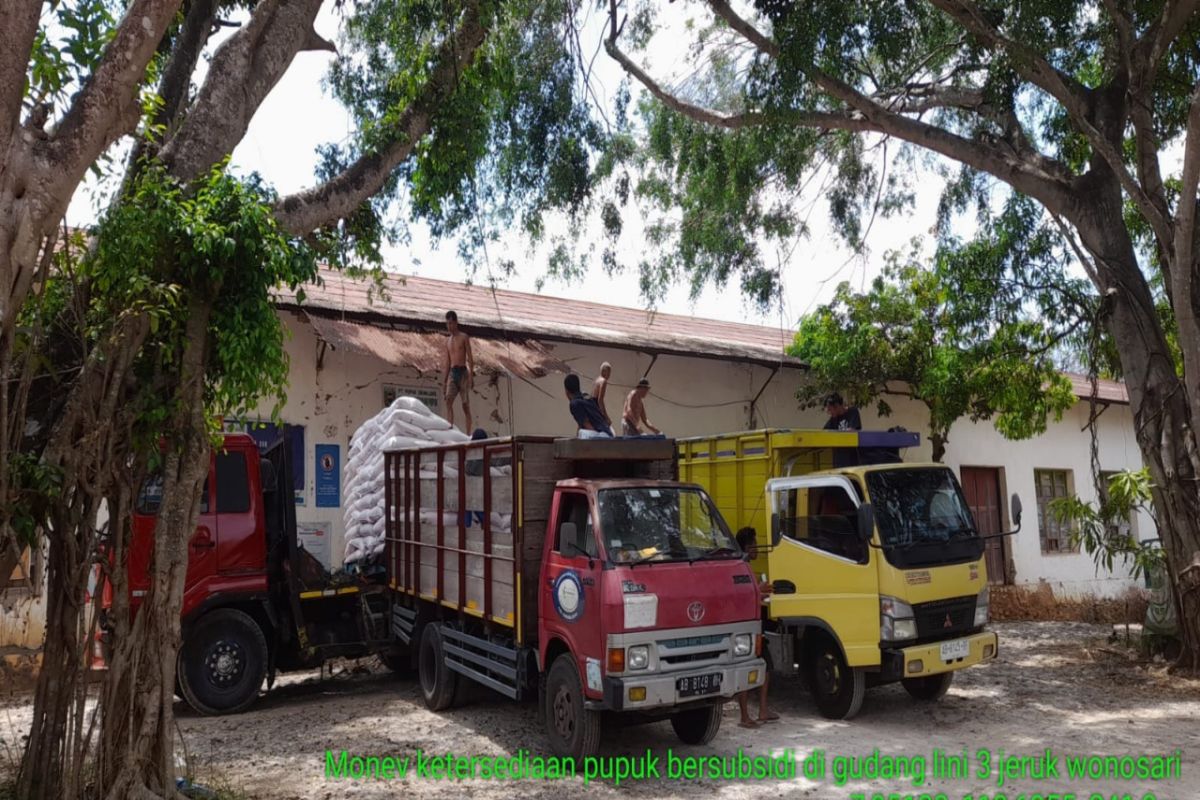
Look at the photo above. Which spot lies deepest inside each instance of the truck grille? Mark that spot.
(942, 619)
(692, 649)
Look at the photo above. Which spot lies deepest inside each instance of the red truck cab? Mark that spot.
(635, 602)
(227, 553)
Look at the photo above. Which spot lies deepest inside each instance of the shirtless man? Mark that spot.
(600, 387)
(634, 417)
(458, 367)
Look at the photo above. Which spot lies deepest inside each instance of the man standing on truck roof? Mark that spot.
(634, 416)
(587, 414)
(600, 390)
(747, 539)
(458, 367)
(841, 417)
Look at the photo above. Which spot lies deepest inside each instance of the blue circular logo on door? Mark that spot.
(568, 596)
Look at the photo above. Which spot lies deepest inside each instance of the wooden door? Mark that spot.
(982, 488)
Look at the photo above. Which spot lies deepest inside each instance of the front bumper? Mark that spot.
(661, 687)
(926, 659)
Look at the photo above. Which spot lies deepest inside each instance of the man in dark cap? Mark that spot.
(634, 417)
(841, 417)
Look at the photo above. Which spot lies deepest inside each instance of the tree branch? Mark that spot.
(338, 197)
(1072, 95)
(177, 77)
(243, 72)
(107, 106)
(16, 43)
(1175, 15)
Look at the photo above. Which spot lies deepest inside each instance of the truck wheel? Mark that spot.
(574, 730)
(223, 663)
(438, 681)
(837, 687)
(930, 688)
(697, 725)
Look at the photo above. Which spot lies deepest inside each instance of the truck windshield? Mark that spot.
(922, 517)
(662, 524)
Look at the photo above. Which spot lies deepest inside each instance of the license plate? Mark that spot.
(694, 685)
(959, 648)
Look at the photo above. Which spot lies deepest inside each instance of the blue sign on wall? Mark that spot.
(329, 474)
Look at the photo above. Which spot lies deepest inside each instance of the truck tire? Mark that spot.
(438, 681)
(837, 688)
(222, 663)
(930, 688)
(697, 725)
(573, 729)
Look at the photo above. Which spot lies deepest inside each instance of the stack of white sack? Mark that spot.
(406, 423)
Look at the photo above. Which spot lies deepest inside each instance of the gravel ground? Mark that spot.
(1061, 686)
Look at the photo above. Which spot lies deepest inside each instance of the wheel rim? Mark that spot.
(225, 664)
(829, 674)
(564, 713)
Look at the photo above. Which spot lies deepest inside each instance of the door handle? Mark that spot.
(202, 540)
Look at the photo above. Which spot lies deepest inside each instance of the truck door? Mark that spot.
(242, 547)
(822, 571)
(570, 602)
(202, 546)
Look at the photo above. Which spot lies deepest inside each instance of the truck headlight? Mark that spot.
(743, 644)
(637, 657)
(896, 621)
(981, 608)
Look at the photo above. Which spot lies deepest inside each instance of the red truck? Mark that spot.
(254, 602)
(578, 573)
(581, 574)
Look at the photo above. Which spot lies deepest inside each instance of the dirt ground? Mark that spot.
(1061, 686)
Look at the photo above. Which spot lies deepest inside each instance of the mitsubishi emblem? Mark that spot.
(695, 611)
(949, 623)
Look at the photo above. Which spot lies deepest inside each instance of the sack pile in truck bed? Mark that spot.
(406, 423)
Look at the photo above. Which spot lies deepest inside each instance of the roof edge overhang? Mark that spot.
(425, 325)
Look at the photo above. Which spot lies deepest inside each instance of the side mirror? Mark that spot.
(776, 533)
(1016, 509)
(866, 522)
(568, 536)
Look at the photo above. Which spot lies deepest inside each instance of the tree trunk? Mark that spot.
(1157, 396)
(137, 744)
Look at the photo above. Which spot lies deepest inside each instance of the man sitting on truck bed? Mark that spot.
(586, 412)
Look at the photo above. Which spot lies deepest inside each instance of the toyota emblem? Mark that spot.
(696, 611)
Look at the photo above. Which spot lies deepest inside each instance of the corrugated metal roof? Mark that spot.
(422, 303)
(425, 351)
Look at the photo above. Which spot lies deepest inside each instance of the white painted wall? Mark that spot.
(695, 396)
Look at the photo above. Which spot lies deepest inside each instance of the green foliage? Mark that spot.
(513, 141)
(958, 337)
(166, 245)
(1100, 528)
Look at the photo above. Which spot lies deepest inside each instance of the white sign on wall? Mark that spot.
(426, 394)
(314, 537)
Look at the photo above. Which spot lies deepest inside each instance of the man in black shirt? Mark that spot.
(586, 411)
(841, 417)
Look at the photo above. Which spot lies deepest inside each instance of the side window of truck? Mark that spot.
(573, 507)
(824, 517)
(149, 498)
(233, 483)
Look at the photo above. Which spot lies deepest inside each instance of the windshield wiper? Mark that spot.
(712, 551)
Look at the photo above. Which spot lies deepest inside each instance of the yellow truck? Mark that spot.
(876, 566)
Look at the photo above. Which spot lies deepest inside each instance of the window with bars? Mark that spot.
(1052, 484)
